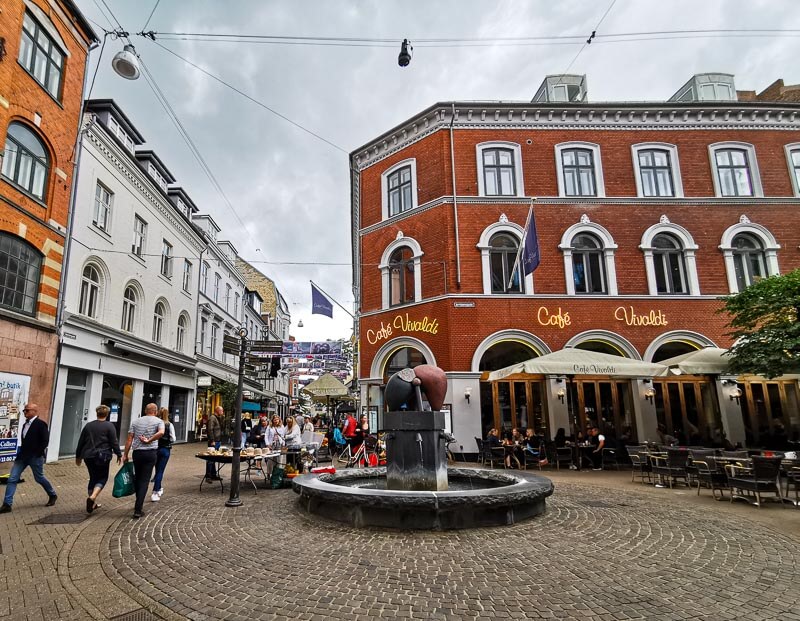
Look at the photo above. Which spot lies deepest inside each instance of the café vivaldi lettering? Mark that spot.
(632, 318)
(403, 324)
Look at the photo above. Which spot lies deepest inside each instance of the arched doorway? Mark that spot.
(515, 401)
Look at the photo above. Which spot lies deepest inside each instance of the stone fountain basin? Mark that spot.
(483, 498)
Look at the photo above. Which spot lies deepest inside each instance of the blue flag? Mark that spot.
(320, 304)
(530, 252)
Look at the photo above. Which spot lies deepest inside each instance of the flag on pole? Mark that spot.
(320, 304)
(530, 252)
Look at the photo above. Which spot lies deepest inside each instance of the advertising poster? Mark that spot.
(312, 348)
(13, 396)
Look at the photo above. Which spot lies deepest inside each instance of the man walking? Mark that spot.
(143, 438)
(214, 431)
(33, 439)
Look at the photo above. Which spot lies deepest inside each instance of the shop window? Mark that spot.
(20, 271)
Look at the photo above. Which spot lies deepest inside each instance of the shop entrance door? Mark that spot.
(520, 404)
(118, 396)
(688, 410)
(178, 410)
(605, 403)
(75, 412)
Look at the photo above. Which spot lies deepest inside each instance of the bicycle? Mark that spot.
(363, 457)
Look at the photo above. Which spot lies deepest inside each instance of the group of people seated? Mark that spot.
(518, 447)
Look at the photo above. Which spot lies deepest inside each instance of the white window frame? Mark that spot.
(519, 182)
(91, 292)
(159, 321)
(180, 332)
(689, 249)
(599, 183)
(203, 328)
(166, 259)
(228, 290)
(214, 339)
(608, 256)
(100, 206)
(677, 182)
(217, 281)
(755, 175)
(416, 257)
(129, 309)
(187, 275)
(789, 149)
(517, 232)
(770, 244)
(236, 297)
(412, 162)
(204, 267)
(138, 249)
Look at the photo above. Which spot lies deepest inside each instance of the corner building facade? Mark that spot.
(646, 214)
(45, 45)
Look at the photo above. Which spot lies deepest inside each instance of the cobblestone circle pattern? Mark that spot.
(592, 555)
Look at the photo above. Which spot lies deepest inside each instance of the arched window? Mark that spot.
(401, 276)
(749, 261)
(25, 160)
(404, 358)
(669, 265)
(129, 301)
(183, 326)
(588, 270)
(158, 321)
(20, 270)
(90, 292)
(502, 256)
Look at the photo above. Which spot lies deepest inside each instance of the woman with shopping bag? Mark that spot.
(97, 445)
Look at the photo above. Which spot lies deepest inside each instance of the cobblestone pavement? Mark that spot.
(606, 549)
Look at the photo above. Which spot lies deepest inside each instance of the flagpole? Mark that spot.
(331, 298)
(525, 233)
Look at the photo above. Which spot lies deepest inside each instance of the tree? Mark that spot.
(765, 318)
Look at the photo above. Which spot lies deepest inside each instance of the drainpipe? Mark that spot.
(68, 236)
(455, 200)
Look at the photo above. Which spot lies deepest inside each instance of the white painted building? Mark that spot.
(131, 291)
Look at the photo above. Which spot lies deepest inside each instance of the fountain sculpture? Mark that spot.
(416, 489)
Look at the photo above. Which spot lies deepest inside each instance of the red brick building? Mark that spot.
(44, 46)
(646, 214)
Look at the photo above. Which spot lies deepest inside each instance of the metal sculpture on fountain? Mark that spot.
(415, 441)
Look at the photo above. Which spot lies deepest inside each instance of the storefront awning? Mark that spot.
(249, 406)
(572, 361)
(706, 361)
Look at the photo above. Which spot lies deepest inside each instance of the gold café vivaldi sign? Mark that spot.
(404, 323)
(544, 316)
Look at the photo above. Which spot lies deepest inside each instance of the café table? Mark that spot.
(582, 453)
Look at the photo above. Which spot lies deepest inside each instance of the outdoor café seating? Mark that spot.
(793, 479)
(711, 473)
(488, 454)
(609, 457)
(697, 454)
(640, 460)
(671, 467)
(563, 455)
(762, 477)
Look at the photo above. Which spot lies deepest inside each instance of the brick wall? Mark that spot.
(463, 329)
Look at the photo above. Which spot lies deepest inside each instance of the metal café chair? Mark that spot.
(641, 463)
(563, 456)
(610, 457)
(763, 477)
(697, 454)
(793, 478)
(672, 467)
(710, 472)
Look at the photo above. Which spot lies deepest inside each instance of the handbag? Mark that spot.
(102, 455)
(123, 481)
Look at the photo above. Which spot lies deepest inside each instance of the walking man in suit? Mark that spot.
(33, 439)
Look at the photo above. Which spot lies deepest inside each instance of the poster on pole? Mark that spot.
(13, 397)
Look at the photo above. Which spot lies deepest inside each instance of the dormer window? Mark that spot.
(157, 177)
(120, 133)
(716, 91)
(182, 207)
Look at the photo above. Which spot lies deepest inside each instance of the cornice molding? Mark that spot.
(600, 116)
(656, 203)
(136, 179)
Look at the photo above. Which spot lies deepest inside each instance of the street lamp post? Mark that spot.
(234, 500)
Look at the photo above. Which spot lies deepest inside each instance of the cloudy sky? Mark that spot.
(290, 190)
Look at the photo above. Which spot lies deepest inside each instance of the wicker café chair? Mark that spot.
(697, 454)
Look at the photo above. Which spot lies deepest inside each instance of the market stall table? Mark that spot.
(253, 462)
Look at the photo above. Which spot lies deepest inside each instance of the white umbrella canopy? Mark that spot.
(573, 361)
(706, 361)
